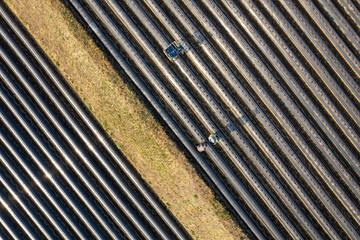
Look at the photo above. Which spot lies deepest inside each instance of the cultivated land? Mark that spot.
(141, 138)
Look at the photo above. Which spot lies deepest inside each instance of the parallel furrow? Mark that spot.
(277, 81)
(48, 141)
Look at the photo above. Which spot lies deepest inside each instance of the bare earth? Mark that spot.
(134, 129)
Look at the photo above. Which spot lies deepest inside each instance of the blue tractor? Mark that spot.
(174, 49)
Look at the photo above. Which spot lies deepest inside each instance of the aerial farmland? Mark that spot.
(180, 119)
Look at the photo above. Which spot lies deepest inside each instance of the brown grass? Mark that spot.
(134, 129)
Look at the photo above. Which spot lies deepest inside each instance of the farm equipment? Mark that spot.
(213, 138)
(174, 50)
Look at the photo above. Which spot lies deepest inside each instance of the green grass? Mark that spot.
(219, 209)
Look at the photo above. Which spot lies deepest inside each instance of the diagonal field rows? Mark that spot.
(58, 179)
(278, 81)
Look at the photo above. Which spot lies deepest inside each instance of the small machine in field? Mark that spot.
(213, 138)
(174, 49)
